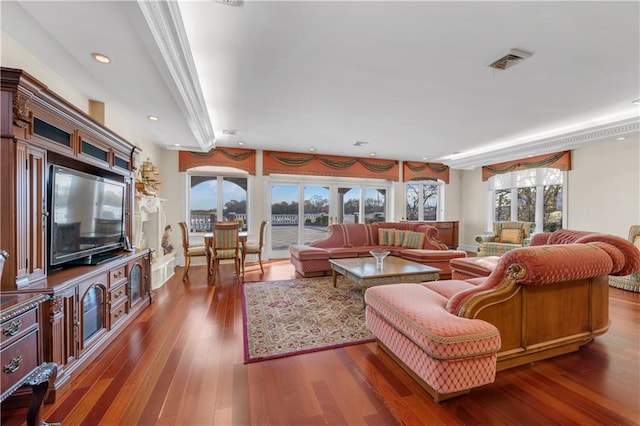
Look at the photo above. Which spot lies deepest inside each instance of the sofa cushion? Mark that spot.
(474, 266)
(342, 252)
(399, 238)
(414, 240)
(511, 235)
(303, 252)
(420, 314)
(448, 288)
(386, 236)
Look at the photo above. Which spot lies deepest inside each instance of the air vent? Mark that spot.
(514, 56)
(360, 143)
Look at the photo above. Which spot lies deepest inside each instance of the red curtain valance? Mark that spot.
(328, 165)
(559, 160)
(243, 159)
(413, 170)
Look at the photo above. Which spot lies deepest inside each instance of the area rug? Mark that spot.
(290, 317)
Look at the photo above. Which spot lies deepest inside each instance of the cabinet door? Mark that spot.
(30, 214)
(139, 279)
(93, 309)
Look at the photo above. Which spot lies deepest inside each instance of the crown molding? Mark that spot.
(563, 142)
(166, 26)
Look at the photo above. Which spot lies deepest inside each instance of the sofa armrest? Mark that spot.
(484, 238)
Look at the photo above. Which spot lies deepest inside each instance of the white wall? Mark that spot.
(604, 187)
(473, 216)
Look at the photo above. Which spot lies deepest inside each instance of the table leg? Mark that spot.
(40, 382)
(334, 274)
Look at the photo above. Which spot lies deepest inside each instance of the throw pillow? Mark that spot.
(414, 240)
(511, 235)
(399, 238)
(386, 236)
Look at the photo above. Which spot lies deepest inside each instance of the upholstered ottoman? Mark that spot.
(310, 261)
(447, 354)
(437, 258)
(472, 267)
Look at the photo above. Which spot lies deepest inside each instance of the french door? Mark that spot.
(301, 211)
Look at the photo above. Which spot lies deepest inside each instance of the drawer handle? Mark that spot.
(118, 294)
(117, 314)
(13, 328)
(14, 365)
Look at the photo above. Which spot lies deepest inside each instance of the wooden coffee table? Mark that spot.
(362, 270)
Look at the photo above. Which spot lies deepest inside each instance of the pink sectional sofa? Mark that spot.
(537, 302)
(403, 239)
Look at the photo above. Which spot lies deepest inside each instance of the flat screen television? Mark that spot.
(86, 217)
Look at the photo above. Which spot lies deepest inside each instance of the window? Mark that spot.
(422, 200)
(216, 198)
(538, 195)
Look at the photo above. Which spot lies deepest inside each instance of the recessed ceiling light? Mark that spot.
(99, 57)
(424, 158)
(241, 143)
(152, 118)
(637, 102)
(373, 154)
(176, 144)
(312, 149)
(621, 138)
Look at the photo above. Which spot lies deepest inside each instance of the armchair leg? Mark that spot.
(260, 260)
(187, 263)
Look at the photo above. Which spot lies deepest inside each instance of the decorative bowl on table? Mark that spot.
(379, 255)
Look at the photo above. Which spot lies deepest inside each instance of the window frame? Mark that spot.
(439, 198)
(539, 179)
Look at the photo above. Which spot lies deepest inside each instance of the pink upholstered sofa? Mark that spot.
(537, 302)
(414, 241)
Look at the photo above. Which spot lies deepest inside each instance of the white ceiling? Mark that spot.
(409, 78)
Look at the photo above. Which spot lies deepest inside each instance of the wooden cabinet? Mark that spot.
(448, 232)
(86, 306)
(89, 307)
(39, 129)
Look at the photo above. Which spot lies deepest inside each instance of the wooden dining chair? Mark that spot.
(189, 250)
(226, 246)
(255, 249)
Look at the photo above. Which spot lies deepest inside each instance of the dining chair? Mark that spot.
(189, 250)
(226, 246)
(255, 249)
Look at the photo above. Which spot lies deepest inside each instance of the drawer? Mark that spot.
(117, 275)
(117, 294)
(117, 313)
(17, 327)
(19, 359)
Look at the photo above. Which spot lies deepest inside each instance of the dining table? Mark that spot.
(208, 243)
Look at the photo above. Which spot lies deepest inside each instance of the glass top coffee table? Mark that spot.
(363, 271)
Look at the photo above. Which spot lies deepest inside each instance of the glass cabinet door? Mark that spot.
(135, 284)
(93, 312)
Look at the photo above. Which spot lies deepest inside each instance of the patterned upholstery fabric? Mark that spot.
(492, 245)
(625, 276)
(629, 282)
(415, 241)
(412, 322)
(445, 331)
(471, 267)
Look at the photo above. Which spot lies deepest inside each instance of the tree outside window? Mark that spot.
(421, 200)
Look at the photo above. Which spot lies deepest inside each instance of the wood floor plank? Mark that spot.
(182, 362)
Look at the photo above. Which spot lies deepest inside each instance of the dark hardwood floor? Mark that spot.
(181, 362)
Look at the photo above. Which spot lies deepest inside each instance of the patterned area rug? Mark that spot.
(291, 317)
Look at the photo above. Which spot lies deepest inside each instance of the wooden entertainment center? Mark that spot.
(83, 308)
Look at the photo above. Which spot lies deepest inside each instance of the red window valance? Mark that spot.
(558, 160)
(243, 159)
(328, 165)
(413, 170)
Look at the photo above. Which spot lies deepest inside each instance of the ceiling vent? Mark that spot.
(514, 56)
(231, 2)
(360, 143)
